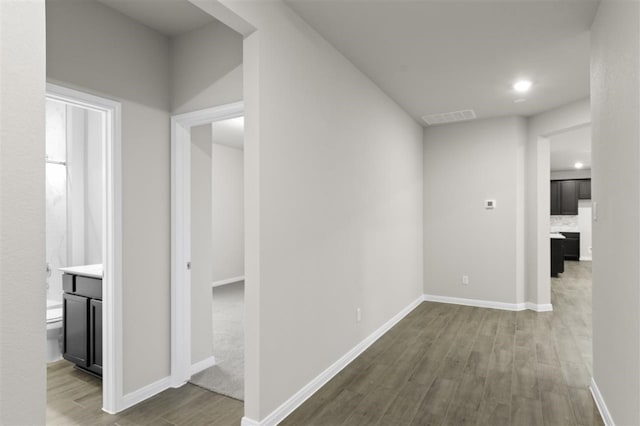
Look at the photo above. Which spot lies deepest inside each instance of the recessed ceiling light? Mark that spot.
(578, 165)
(522, 86)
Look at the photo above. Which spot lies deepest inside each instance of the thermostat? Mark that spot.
(489, 204)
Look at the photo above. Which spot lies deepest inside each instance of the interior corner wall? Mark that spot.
(227, 212)
(615, 94)
(537, 196)
(201, 244)
(206, 68)
(95, 49)
(338, 193)
(22, 213)
(464, 165)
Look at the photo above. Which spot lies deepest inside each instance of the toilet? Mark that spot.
(54, 331)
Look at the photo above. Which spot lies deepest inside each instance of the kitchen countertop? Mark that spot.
(556, 236)
(93, 271)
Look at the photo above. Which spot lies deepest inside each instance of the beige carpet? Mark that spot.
(227, 376)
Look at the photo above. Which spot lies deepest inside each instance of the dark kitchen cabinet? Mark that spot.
(557, 256)
(565, 195)
(82, 322)
(569, 197)
(584, 191)
(571, 245)
(556, 209)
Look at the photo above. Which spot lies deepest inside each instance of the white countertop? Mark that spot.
(94, 271)
(555, 229)
(557, 236)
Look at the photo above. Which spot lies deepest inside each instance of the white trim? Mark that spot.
(227, 281)
(475, 302)
(112, 368)
(146, 392)
(586, 259)
(543, 307)
(602, 406)
(314, 385)
(488, 303)
(181, 231)
(202, 365)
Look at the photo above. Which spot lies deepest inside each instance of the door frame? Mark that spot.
(181, 125)
(112, 334)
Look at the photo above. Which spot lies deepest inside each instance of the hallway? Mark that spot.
(442, 365)
(460, 365)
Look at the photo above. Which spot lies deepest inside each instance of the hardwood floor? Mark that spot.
(441, 365)
(75, 398)
(459, 365)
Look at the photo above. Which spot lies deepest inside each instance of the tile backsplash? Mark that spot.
(564, 223)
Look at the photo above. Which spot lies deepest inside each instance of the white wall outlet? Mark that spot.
(465, 280)
(358, 315)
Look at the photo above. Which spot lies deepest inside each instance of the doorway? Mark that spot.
(84, 224)
(192, 345)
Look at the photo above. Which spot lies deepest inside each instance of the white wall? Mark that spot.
(206, 67)
(228, 212)
(537, 250)
(465, 164)
(201, 244)
(22, 213)
(570, 174)
(93, 48)
(585, 229)
(334, 205)
(615, 94)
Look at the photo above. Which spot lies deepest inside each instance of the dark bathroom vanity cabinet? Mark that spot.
(82, 317)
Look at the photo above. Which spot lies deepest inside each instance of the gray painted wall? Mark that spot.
(334, 205)
(93, 48)
(228, 212)
(22, 213)
(465, 164)
(615, 92)
(201, 244)
(206, 67)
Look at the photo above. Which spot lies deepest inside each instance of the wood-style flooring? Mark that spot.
(460, 365)
(441, 365)
(75, 398)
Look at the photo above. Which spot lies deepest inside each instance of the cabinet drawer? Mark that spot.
(89, 287)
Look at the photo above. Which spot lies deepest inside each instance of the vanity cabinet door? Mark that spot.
(75, 310)
(95, 336)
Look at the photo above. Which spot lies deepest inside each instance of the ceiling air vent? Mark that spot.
(449, 117)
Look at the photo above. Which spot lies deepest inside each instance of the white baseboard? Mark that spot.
(586, 259)
(314, 385)
(246, 421)
(227, 281)
(146, 392)
(543, 307)
(202, 365)
(602, 407)
(488, 303)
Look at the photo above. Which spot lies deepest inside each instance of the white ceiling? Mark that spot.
(569, 147)
(438, 56)
(168, 17)
(229, 132)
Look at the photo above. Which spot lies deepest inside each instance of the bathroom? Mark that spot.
(74, 216)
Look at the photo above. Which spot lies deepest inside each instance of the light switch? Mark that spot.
(489, 204)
